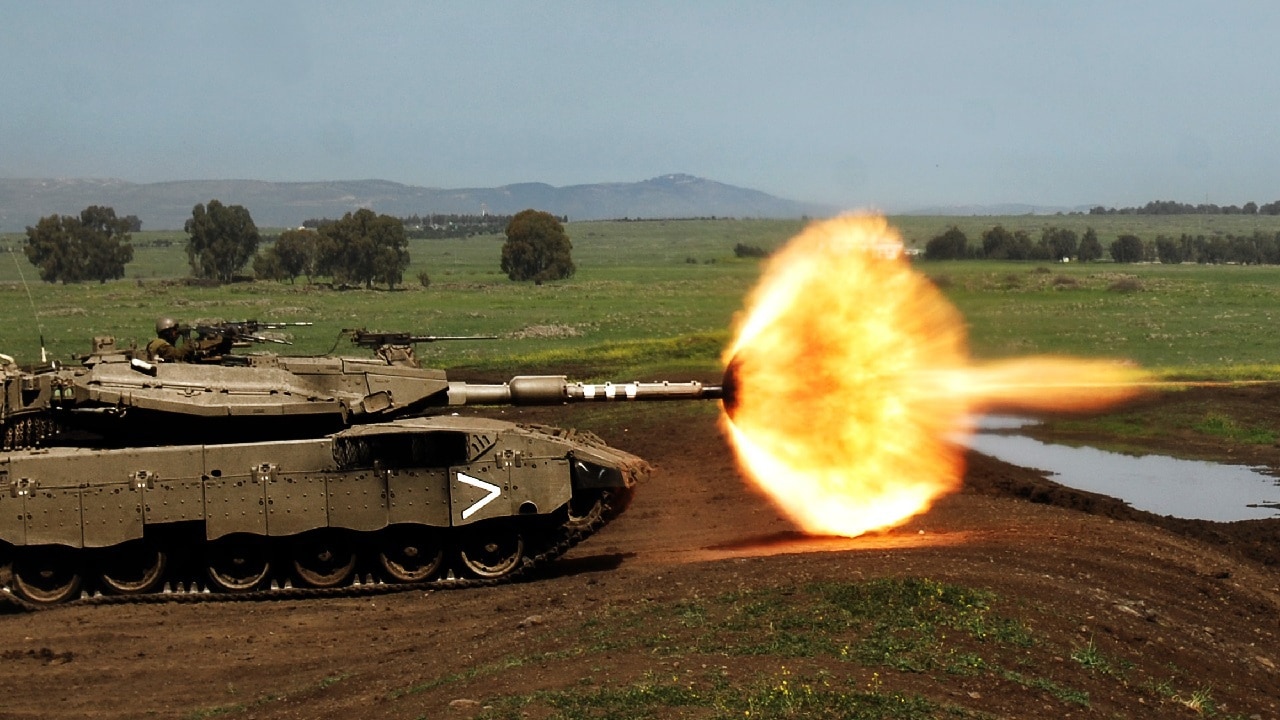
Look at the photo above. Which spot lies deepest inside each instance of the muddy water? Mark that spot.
(1158, 484)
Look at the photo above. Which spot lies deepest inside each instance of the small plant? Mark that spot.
(1061, 692)
(743, 250)
(1200, 701)
(1091, 659)
(424, 279)
(1125, 286)
(333, 680)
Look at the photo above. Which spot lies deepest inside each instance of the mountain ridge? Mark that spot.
(167, 205)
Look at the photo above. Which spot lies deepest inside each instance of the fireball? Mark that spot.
(849, 380)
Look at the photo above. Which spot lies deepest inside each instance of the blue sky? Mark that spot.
(890, 105)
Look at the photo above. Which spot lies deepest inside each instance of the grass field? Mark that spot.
(657, 295)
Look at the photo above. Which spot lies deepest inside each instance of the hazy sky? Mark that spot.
(896, 105)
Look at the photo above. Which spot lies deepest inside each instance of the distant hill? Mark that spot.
(167, 205)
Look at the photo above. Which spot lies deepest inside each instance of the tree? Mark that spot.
(1022, 248)
(1061, 242)
(94, 246)
(1127, 249)
(537, 248)
(1000, 244)
(1090, 248)
(1168, 250)
(294, 253)
(222, 239)
(950, 245)
(267, 266)
(363, 247)
(1212, 250)
(996, 243)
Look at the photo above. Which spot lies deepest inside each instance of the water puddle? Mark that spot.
(1162, 485)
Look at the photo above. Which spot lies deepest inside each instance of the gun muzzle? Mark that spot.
(729, 389)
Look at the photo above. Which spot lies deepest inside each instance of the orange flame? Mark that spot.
(852, 378)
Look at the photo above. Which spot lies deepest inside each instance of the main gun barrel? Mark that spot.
(557, 389)
(365, 338)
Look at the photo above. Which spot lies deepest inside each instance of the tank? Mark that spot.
(307, 475)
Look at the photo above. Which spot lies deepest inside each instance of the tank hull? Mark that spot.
(410, 501)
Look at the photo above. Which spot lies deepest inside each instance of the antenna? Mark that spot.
(43, 356)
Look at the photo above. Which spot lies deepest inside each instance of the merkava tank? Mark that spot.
(286, 474)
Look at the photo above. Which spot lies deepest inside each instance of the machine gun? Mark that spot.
(397, 347)
(212, 342)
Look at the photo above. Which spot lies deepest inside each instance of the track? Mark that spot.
(361, 586)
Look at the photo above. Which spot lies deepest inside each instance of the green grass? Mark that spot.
(650, 295)
(893, 623)
(1185, 319)
(659, 299)
(765, 697)
(633, 286)
(1222, 426)
(897, 624)
(828, 649)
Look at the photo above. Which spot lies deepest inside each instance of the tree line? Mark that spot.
(1169, 207)
(361, 248)
(1060, 244)
(434, 226)
(998, 243)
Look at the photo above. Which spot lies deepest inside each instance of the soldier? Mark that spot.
(164, 347)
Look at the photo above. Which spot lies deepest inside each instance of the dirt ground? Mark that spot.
(1186, 612)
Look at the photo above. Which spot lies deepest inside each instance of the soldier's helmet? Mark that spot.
(165, 324)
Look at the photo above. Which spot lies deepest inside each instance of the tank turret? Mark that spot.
(117, 398)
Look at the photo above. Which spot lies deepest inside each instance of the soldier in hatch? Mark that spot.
(164, 347)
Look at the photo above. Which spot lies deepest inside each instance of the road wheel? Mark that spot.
(491, 552)
(323, 559)
(238, 564)
(47, 575)
(410, 554)
(132, 568)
